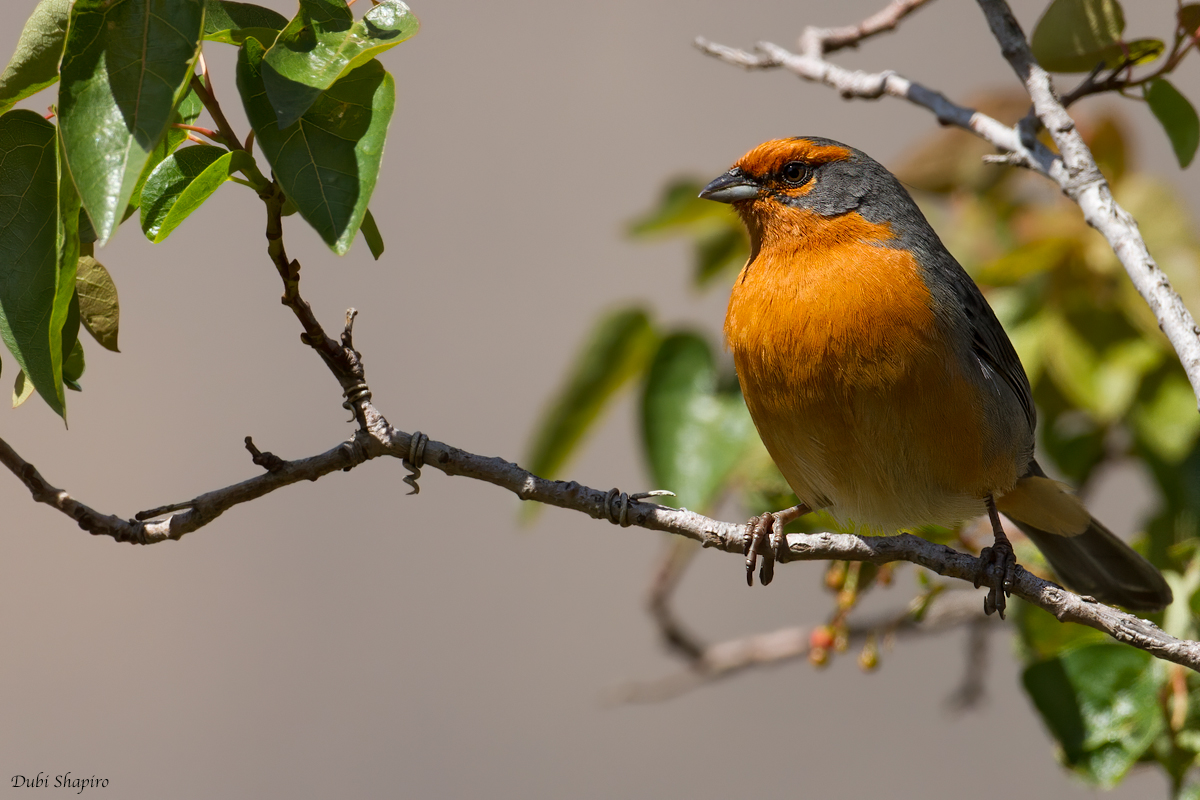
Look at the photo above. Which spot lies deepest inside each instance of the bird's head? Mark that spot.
(791, 187)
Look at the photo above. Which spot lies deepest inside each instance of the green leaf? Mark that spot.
(185, 113)
(64, 317)
(1042, 255)
(231, 23)
(1074, 443)
(127, 63)
(39, 249)
(679, 207)
(22, 389)
(1167, 424)
(680, 210)
(694, 432)
(1043, 636)
(34, 65)
(73, 367)
(1137, 52)
(70, 344)
(1177, 116)
(1178, 620)
(1100, 702)
(328, 161)
(182, 182)
(370, 232)
(1071, 361)
(1076, 35)
(725, 249)
(617, 348)
(1120, 372)
(322, 44)
(1105, 383)
(720, 240)
(99, 308)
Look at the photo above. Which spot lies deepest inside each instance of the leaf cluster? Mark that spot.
(122, 139)
(1087, 36)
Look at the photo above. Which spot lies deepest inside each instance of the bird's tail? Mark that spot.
(1087, 556)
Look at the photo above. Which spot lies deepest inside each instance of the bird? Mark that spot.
(881, 382)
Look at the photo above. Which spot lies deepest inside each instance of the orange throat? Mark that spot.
(824, 300)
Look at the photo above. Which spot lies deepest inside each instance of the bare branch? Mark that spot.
(811, 65)
(881, 21)
(196, 513)
(729, 658)
(1075, 173)
(671, 567)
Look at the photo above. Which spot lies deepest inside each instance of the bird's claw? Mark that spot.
(764, 538)
(1002, 557)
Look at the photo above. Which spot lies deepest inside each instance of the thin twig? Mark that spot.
(882, 21)
(729, 658)
(675, 636)
(812, 66)
(209, 98)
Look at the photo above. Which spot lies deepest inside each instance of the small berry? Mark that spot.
(868, 659)
(821, 638)
(835, 576)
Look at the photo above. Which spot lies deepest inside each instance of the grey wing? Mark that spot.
(956, 290)
(995, 352)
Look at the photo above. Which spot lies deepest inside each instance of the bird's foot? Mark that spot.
(760, 541)
(766, 538)
(1001, 556)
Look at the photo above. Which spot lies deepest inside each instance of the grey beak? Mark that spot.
(731, 187)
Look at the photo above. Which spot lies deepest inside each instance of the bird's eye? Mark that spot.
(795, 172)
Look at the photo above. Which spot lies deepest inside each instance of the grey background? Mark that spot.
(338, 638)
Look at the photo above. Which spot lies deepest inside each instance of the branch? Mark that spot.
(1075, 172)
(618, 508)
(675, 636)
(881, 21)
(729, 658)
(811, 65)
(196, 513)
(1086, 186)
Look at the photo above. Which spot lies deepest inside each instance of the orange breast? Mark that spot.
(851, 380)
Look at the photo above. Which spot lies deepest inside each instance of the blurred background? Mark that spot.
(339, 637)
